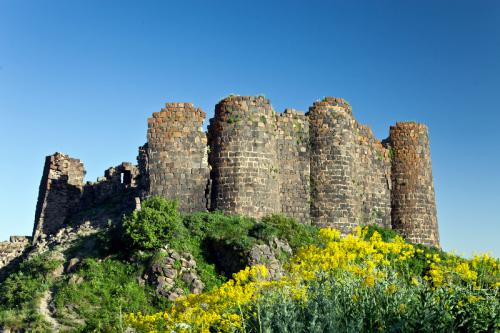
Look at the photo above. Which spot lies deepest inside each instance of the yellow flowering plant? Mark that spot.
(337, 272)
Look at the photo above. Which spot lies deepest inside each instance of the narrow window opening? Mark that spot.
(126, 177)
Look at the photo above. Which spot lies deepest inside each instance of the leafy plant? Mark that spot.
(155, 225)
(285, 228)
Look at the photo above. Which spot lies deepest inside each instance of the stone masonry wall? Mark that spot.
(349, 169)
(116, 181)
(322, 167)
(243, 156)
(372, 165)
(177, 156)
(59, 195)
(413, 202)
(294, 164)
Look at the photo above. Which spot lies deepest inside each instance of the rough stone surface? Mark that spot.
(413, 202)
(294, 164)
(117, 180)
(177, 165)
(59, 195)
(350, 169)
(243, 155)
(12, 249)
(269, 255)
(170, 269)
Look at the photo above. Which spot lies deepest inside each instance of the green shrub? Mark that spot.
(222, 240)
(229, 229)
(285, 228)
(387, 234)
(156, 224)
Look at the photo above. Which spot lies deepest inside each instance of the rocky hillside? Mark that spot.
(158, 270)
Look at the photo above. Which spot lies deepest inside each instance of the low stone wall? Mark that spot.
(12, 249)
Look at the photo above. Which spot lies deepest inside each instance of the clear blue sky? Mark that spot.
(82, 77)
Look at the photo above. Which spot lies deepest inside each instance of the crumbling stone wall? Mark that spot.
(177, 165)
(116, 181)
(294, 164)
(12, 249)
(59, 195)
(413, 202)
(243, 156)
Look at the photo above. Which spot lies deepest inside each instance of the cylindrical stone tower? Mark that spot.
(243, 156)
(413, 202)
(334, 198)
(176, 162)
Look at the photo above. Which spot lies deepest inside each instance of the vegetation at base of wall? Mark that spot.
(386, 234)
(219, 243)
(282, 227)
(105, 284)
(369, 281)
(21, 291)
(353, 283)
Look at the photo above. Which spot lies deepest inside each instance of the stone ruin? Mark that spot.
(321, 167)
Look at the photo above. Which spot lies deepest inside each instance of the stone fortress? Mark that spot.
(321, 167)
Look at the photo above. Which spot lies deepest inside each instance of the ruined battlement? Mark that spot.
(321, 167)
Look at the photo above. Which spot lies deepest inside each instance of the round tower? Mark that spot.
(243, 156)
(412, 200)
(334, 197)
(174, 161)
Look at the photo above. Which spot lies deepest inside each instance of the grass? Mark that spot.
(21, 291)
(108, 289)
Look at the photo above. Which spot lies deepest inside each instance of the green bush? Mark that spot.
(220, 243)
(232, 230)
(156, 224)
(387, 234)
(222, 240)
(285, 228)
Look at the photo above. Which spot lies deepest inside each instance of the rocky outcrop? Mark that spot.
(173, 274)
(271, 255)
